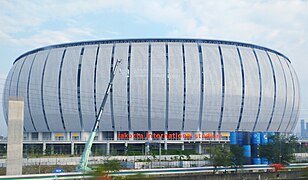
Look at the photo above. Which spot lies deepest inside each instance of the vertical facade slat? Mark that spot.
(119, 90)
(286, 94)
(158, 86)
(212, 87)
(87, 87)
(102, 80)
(267, 100)
(275, 93)
(51, 90)
(192, 106)
(35, 91)
(233, 88)
(22, 90)
(6, 91)
(139, 86)
(68, 89)
(260, 91)
(292, 97)
(176, 86)
(252, 83)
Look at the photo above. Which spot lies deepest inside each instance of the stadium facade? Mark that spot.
(164, 86)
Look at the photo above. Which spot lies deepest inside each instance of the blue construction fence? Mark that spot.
(251, 141)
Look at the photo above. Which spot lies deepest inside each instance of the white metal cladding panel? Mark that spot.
(176, 86)
(233, 88)
(69, 89)
(267, 90)
(296, 100)
(158, 86)
(299, 102)
(50, 90)
(139, 86)
(280, 93)
(192, 87)
(102, 80)
(252, 88)
(5, 96)
(87, 87)
(15, 75)
(35, 91)
(289, 104)
(22, 91)
(120, 88)
(212, 87)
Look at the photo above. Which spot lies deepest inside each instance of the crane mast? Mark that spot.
(83, 165)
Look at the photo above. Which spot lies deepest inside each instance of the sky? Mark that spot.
(281, 25)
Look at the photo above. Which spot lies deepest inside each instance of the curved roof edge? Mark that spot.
(183, 40)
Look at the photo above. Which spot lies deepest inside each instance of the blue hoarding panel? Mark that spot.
(263, 138)
(256, 160)
(264, 160)
(247, 150)
(255, 138)
(233, 138)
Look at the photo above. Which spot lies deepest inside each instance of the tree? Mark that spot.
(220, 156)
(187, 154)
(281, 150)
(237, 154)
(108, 167)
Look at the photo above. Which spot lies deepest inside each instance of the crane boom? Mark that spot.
(83, 165)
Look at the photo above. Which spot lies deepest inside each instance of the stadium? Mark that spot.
(181, 93)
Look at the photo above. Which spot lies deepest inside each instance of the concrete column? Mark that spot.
(100, 136)
(108, 149)
(198, 136)
(115, 135)
(182, 135)
(30, 136)
(182, 147)
(84, 135)
(44, 147)
(214, 134)
(25, 136)
(40, 136)
(147, 148)
(52, 149)
(103, 136)
(166, 141)
(126, 147)
(165, 138)
(199, 148)
(150, 135)
(15, 136)
(203, 149)
(53, 136)
(68, 136)
(72, 148)
(131, 135)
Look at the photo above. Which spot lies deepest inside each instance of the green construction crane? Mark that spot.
(83, 165)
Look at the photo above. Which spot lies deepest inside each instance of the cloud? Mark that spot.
(47, 37)
(3, 130)
(33, 13)
(280, 25)
(267, 23)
